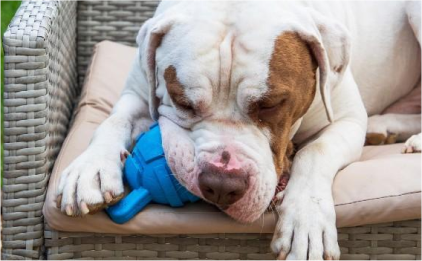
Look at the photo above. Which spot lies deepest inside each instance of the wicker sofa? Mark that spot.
(47, 48)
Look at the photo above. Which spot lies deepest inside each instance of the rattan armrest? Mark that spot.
(40, 89)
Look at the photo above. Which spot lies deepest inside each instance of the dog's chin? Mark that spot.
(246, 210)
(246, 217)
(251, 207)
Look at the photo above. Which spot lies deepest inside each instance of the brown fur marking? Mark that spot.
(176, 90)
(291, 89)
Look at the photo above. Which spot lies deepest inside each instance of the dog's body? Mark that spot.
(231, 83)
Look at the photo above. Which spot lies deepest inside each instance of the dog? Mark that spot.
(233, 84)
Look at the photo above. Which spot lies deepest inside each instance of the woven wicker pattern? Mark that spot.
(210, 246)
(117, 21)
(398, 240)
(40, 86)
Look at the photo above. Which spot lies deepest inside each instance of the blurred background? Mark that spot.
(8, 10)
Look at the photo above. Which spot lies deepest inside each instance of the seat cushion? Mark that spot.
(383, 186)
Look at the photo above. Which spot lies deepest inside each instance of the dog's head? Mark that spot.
(229, 97)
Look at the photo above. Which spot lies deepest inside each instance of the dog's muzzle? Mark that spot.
(223, 182)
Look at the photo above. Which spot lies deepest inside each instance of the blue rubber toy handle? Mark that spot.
(129, 206)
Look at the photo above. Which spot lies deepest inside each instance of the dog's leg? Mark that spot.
(398, 122)
(306, 227)
(413, 11)
(94, 179)
(402, 120)
(391, 128)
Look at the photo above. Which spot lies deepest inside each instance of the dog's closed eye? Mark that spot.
(177, 91)
(269, 107)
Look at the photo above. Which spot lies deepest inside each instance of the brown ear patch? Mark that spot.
(176, 89)
(293, 68)
(291, 89)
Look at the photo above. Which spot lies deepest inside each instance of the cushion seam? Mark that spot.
(370, 199)
(89, 75)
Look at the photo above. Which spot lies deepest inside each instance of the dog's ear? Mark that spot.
(149, 39)
(330, 45)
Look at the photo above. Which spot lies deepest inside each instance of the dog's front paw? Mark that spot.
(306, 226)
(413, 144)
(91, 182)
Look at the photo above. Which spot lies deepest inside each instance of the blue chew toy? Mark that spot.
(150, 178)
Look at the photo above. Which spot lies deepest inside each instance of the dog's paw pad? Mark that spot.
(375, 139)
(380, 139)
(95, 208)
(391, 138)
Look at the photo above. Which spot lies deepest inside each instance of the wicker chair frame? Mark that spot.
(47, 47)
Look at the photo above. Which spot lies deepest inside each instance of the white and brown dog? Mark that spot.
(233, 83)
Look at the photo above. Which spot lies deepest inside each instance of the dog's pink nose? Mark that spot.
(223, 186)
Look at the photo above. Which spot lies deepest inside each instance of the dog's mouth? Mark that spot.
(281, 186)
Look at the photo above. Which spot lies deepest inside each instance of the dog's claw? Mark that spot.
(69, 210)
(59, 201)
(108, 197)
(123, 155)
(282, 256)
(326, 257)
(84, 208)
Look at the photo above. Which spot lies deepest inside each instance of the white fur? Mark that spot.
(413, 144)
(99, 169)
(359, 66)
(404, 125)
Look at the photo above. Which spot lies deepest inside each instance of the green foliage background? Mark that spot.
(8, 10)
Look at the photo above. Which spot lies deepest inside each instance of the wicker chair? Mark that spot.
(47, 49)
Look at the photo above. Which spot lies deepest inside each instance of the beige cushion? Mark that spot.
(384, 186)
